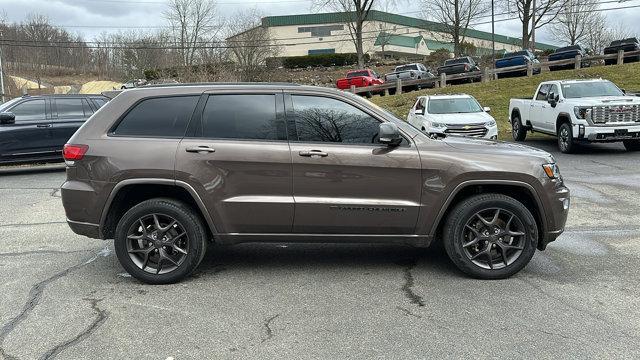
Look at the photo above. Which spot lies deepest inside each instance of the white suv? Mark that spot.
(452, 115)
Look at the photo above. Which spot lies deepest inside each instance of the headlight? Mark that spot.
(438, 125)
(490, 123)
(552, 170)
(581, 112)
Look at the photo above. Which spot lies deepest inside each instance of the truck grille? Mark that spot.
(615, 114)
(475, 130)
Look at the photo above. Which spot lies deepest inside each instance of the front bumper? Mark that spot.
(606, 133)
(560, 202)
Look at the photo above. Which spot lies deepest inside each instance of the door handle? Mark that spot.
(200, 149)
(311, 153)
(43, 125)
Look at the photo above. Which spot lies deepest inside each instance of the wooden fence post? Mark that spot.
(443, 80)
(486, 76)
(620, 57)
(578, 61)
(353, 89)
(399, 86)
(530, 69)
(386, 92)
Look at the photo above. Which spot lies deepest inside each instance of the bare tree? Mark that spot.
(355, 12)
(193, 22)
(575, 22)
(250, 44)
(600, 35)
(546, 11)
(455, 17)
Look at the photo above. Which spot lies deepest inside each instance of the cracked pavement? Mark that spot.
(66, 297)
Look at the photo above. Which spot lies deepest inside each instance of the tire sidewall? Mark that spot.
(520, 134)
(458, 219)
(185, 216)
(570, 146)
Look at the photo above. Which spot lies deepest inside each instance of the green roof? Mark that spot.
(375, 15)
(398, 40)
(436, 45)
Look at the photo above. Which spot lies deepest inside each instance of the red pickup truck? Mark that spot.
(359, 78)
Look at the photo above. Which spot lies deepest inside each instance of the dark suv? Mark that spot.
(35, 128)
(166, 170)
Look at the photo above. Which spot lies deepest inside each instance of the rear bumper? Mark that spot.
(85, 229)
(606, 133)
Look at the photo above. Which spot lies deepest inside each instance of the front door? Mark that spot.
(30, 136)
(237, 158)
(344, 181)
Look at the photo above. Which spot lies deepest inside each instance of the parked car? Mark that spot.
(518, 58)
(630, 44)
(415, 71)
(360, 78)
(134, 84)
(452, 115)
(578, 111)
(165, 171)
(35, 128)
(460, 65)
(566, 53)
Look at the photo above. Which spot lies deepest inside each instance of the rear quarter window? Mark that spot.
(158, 117)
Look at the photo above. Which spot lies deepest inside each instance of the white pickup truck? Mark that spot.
(577, 111)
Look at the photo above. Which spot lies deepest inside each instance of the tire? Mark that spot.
(519, 249)
(566, 144)
(134, 241)
(518, 130)
(631, 145)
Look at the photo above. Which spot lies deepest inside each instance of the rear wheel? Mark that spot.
(490, 236)
(518, 131)
(632, 145)
(160, 241)
(566, 144)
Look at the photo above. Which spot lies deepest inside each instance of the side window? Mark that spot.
(554, 89)
(330, 120)
(30, 110)
(419, 106)
(542, 93)
(100, 102)
(88, 111)
(69, 108)
(161, 117)
(242, 116)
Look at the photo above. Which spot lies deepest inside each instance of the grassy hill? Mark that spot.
(496, 94)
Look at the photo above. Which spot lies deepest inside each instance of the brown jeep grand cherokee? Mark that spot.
(166, 170)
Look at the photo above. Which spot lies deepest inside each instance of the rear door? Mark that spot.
(237, 157)
(30, 136)
(69, 113)
(344, 180)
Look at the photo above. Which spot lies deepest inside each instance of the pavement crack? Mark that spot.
(33, 224)
(36, 252)
(267, 327)
(408, 312)
(55, 193)
(407, 287)
(101, 317)
(35, 294)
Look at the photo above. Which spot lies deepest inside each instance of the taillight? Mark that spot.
(73, 152)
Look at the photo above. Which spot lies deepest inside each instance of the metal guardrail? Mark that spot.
(488, 74)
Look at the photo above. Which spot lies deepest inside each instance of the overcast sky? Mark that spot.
(91, 17)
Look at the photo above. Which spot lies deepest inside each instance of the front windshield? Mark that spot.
(453, 106)
(7, 104)
(590, 89)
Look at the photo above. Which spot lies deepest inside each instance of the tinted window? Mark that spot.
(242, 117)
(330, 120)
(357, 74)
(99, 102)
(68, 108)
(29, 110)
(164, 117)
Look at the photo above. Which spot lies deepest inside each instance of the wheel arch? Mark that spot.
(128, 193)
(562, 118)
(519, 190)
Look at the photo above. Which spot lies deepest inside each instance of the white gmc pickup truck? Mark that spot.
(578, 111)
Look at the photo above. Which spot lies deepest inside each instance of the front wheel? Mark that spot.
(566, 144)
(632, 145)
(491, 236)
(160, 241)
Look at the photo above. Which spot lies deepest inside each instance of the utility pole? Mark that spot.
(533, 28)
(1, 77)
(493, 36)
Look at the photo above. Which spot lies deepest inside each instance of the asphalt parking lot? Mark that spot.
(65, 296)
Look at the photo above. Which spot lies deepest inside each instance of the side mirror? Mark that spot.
(552, 99)
(7, 118)
(624, 91)
(487, 109)
(389, 134)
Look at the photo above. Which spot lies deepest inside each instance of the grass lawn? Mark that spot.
(496, 94)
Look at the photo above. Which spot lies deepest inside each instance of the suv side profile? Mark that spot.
(35, 128)
(165, 171)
